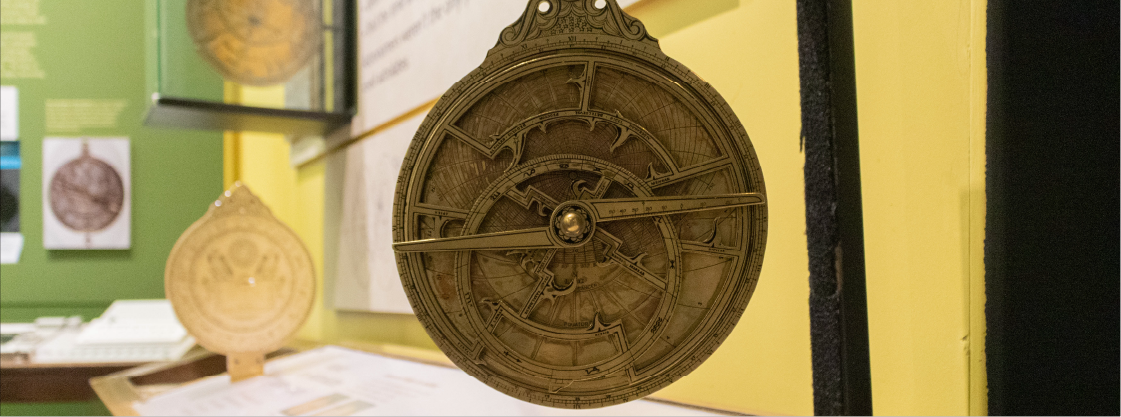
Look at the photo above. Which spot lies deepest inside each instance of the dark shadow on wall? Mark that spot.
(82, 255)
(664, 17)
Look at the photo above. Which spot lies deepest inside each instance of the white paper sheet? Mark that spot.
(367, 277)
(337, 381)
(11, 246)
(9, 112)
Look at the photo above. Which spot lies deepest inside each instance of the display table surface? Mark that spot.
(359, 379)
(28, 381)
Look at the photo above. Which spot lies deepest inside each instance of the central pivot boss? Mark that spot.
(573, 224)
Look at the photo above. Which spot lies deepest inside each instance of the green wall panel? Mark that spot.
(89, 408)
(97, 50)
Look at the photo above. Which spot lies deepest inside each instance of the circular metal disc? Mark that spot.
(577, 105)
(255, 42)
(240, 280)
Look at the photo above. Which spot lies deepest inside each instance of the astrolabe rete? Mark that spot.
(255, 42)
(581, 220)
(240, 281)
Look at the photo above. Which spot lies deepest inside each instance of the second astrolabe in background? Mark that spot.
(581, 220)
(241, 282)
(255, 42)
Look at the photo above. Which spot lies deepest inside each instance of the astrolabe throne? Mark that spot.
(581, 220)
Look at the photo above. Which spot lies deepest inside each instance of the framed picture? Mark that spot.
(86, 193)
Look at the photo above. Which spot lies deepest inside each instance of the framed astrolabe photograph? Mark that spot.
(580, 221)
(86, 193)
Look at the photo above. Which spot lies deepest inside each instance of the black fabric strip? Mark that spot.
(1051, 223)
(834, 225)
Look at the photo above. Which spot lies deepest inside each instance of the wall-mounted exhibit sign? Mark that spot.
(409, 52)
(10, 164)
(581, 220)
(366, 276)
(9, 112)
(240, 281)
(86, 193)
(11, 241)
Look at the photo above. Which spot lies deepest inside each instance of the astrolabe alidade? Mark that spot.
(240, 281)
(581, 220)
(86, 194)
(255, 42)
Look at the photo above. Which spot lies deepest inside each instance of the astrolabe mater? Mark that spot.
(581, 220)
(255, 42)
(240, 281)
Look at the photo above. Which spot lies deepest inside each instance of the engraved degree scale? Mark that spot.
(581, 220)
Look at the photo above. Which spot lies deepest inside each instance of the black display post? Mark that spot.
(1051, 223)
(834, 213)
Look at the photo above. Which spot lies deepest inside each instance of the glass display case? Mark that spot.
(203, 53)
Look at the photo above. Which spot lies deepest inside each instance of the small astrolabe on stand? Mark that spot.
(255, 42)
(581, 220)
(240, 281)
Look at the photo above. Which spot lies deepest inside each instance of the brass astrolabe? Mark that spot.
(255, 42)
(240, 281)
(581, 220)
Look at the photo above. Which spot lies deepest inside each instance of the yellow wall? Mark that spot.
(920, 78)
(748, 51)
(295, 196)
(921, 106)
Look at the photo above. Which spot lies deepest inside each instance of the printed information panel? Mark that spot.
(410, 52)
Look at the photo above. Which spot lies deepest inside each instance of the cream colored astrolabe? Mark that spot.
(240, 281)
(255, 42)
(581, 220)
